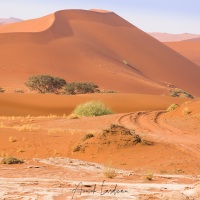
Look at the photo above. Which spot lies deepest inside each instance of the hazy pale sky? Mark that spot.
(171, 16)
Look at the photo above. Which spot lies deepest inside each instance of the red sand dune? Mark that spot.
(167, 37)
(37, 104)
(83, 45)
(189, 48)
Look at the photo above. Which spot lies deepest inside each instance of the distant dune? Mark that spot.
(4, 21)
(167, 37)
(92, 46)
(188, 48)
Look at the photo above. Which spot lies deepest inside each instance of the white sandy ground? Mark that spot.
(56, 179)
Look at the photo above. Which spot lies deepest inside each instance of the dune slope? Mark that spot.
(92, 46)
(190, 49)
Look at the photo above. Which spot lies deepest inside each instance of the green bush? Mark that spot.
(45, 84)
(93, 108)
(80, 88)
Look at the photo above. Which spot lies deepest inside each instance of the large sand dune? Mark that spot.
(83, 45)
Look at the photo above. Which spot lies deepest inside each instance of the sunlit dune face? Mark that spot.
(100, 11)
(34, 25)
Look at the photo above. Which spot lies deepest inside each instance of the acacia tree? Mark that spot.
(80, 88)
(45, 84)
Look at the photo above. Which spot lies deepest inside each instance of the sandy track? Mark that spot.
(152, 124)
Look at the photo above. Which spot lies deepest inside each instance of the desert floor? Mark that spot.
(168, 153)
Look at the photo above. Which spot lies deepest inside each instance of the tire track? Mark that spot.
(150, 123)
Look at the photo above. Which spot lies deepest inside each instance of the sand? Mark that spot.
(92, 46)
(190, 49)
(101, 47)
(46, 104)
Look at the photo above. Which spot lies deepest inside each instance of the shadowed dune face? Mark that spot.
(189, 48)
(92, 46)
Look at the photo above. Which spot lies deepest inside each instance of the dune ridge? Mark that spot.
(104, 48)
(167, 37)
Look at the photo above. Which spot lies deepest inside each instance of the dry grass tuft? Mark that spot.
(11, 160)
(109, 172)
(172, 107)
(12, 139)
(186, 111)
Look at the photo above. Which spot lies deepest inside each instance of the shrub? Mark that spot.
(108, 91)
(11, 160)
(186, 111)
(109, 172)
(88, 136)
(77, 148)
(80, 88)
(2, 90)
(92, 108)
(18, 91)
(176, 92)
(149, 177)
(172, 107)
(45, 84)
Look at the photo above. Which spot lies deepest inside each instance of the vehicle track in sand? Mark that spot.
(152, 124)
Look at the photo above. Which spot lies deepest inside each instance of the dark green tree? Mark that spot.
(45, 84)
(80, 88)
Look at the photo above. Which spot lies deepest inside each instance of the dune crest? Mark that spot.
(33, 25)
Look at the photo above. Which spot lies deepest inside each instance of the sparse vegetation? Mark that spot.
(149, 176)
(176, 92)
(80, 88)
(77, 148)
(87, 136)
(11, 160)
(72, 116)
(109, 172)
(45, 84)
(2, 90)
(108, 91)
(92, 108)
(172, 107)
(117, 129)
(18, 91)
(12, 139)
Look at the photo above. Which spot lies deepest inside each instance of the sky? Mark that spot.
(169, 16)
